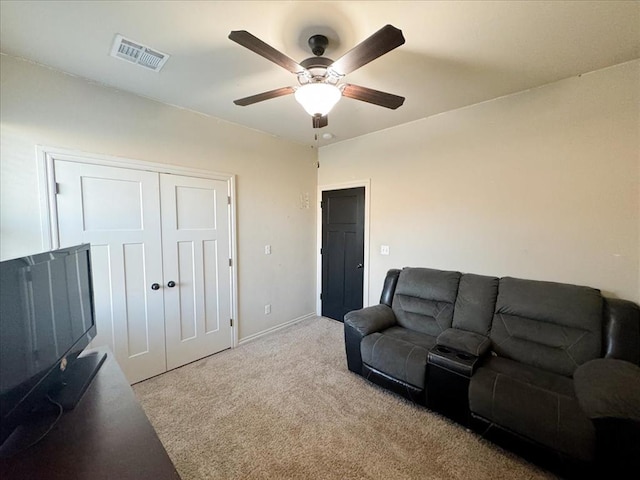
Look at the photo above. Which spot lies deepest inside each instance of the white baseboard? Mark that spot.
(276, 328)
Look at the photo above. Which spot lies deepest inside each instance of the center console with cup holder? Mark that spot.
(449, 373)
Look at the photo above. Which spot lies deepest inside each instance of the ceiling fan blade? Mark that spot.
(260, 97)
(319, 122)
(253, 43)
(370, 95)
(381, 42)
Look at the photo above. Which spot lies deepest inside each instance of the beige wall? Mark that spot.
(543, 184)
(40, 106)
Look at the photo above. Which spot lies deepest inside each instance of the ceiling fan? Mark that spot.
(320, 78)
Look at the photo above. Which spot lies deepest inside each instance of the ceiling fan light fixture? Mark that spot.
(318, 98)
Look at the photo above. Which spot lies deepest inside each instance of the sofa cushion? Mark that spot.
(399, 353)
(534, 403)
(609, 388)
(475, 303)
(417, 338)
(553, 326)
(424, 299)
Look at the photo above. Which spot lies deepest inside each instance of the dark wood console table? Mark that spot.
(106, 436)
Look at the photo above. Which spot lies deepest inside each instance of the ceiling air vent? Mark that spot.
(137, 53)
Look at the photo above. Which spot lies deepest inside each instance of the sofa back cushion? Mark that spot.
(424, 299)
(476, 303)
(553, 326)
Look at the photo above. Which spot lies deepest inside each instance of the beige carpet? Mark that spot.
(285, 406)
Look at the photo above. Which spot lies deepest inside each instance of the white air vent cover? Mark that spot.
(137, 53)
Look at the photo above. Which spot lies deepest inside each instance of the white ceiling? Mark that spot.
(456, 53)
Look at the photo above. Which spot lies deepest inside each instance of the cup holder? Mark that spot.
(454, 355)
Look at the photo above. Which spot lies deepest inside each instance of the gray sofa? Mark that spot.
(554, 364)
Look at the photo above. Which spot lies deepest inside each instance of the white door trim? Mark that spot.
(367, 196)
(49, 216)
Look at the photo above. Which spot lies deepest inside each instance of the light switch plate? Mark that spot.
(384, 249)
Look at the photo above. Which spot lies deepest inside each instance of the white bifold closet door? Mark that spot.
(160, 261)
(195, 245)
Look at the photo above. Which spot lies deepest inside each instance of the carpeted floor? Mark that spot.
(285, 406)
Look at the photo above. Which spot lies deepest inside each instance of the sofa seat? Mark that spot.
(535, 403)
(399, 353)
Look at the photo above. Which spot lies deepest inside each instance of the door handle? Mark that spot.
(359, 265)
(155, 286)
(171, 284)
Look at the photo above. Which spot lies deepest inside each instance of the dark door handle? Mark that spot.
(359, 265)
(171, 284)
(155, 286)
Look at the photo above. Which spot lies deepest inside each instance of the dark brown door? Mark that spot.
(342, 251)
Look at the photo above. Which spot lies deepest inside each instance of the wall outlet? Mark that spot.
(267, 249)
(267, 309)
(384, 249)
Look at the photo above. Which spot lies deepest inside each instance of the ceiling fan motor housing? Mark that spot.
(318, 44)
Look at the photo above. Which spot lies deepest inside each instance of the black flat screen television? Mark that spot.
(46, 320)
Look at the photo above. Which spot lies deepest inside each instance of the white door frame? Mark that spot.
(49, 215)
(365, 276)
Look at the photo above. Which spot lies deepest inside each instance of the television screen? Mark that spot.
(46, 320)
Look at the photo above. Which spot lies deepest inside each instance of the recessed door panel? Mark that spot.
(103, 288)
(99, 213)
(186, 292)
(135, 289)
(195, 208)
(211, 291)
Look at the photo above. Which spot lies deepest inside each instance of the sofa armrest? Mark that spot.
(370, 319)
(360, 323)
(621, 330)
(608, 388)
(464, 341)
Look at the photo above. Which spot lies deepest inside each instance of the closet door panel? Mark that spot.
(196, 252)
(117, 211)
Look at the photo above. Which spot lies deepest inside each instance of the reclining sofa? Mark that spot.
(554, 364)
